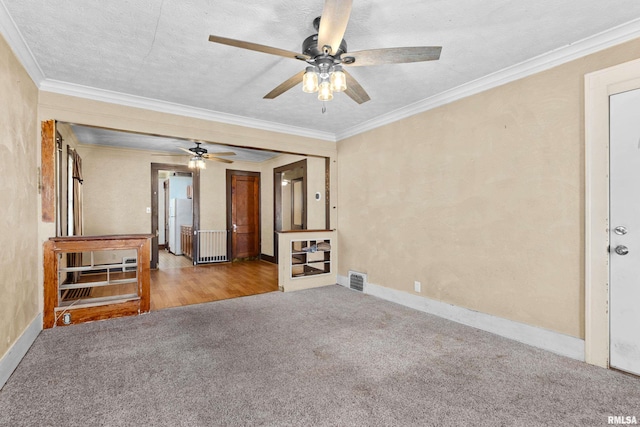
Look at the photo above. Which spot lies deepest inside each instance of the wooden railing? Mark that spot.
(127, 282)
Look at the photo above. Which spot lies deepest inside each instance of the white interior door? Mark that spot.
(624, 238)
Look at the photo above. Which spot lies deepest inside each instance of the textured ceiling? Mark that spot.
(159, 49)
(97, 136)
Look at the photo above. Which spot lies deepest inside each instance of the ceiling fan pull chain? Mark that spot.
(324, 107)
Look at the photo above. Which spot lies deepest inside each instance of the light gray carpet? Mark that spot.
(327, 356)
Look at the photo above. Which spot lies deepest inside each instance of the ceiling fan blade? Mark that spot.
(285, 86)
(218, 159)
(228, 153)
(258, 47)
(333, 23)
(355, 91)
(394, 55)
(168, 155)
(187, 151)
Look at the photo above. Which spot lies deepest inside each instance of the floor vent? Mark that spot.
(357, 281)
(129, 260)
(78, 293)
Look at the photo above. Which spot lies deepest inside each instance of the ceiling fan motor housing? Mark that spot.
(310, 47)
(198, 150)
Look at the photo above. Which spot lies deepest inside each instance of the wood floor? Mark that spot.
(178, 283)
(168, 260)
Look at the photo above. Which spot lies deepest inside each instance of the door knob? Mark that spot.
(235, 228)
(620, 230)
(621, 250)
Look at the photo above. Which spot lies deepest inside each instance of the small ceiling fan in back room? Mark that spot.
(198, 155)
(326, 53)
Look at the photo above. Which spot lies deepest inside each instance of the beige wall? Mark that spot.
(481, 200)
(116, 190)
(19, 286)
(316, 209)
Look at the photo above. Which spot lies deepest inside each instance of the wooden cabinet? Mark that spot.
(186, 240)
(310, 257)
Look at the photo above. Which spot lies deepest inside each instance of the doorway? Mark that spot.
(600, 270)
(290, 199)
(297, 197)
(243, 214)
(159, 203)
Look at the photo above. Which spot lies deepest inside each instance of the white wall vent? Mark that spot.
(357, 281)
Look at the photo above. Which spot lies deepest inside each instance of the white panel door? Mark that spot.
(624, 238)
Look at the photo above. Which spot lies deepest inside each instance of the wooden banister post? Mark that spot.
(50, 284)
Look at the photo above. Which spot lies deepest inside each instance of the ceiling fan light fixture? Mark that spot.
(324, 91)
(310, 80)
(197, 162)
(192, 162)
(338, 79)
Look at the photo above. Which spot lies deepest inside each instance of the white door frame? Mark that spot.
(599, 86)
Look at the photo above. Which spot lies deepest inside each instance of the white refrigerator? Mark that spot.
(180, 213)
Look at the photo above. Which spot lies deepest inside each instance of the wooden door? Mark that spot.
(243, 204)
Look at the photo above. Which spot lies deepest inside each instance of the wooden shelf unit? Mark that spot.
(309, 262)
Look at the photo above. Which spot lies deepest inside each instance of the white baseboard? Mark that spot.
(554, 342)
(12, 358)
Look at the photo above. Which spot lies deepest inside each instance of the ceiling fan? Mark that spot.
(198, 155)
(326, 53)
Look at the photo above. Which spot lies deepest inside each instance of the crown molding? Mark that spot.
(14, 38)
(72, 89)
(604, 40)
